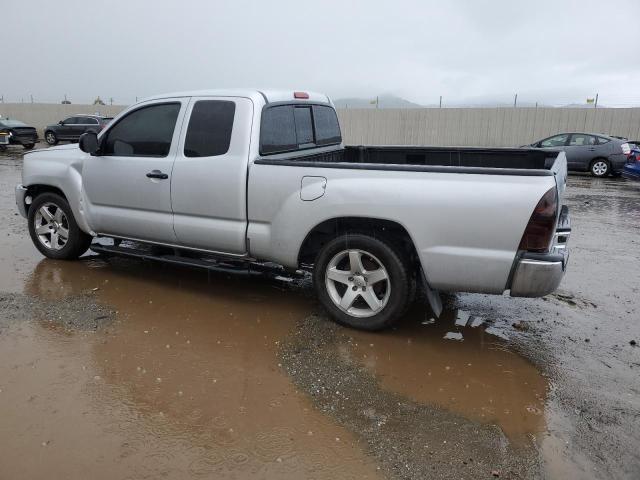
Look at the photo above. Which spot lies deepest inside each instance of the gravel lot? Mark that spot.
(125, 369)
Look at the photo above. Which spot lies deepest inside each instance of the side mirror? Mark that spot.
(88, 143)
(61, 122)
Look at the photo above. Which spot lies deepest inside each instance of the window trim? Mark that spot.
(304, 146)
(566, 142)
(595, 137)
(110, 126)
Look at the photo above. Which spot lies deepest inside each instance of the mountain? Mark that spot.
(384, 101)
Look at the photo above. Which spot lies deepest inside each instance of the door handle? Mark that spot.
(157, 174)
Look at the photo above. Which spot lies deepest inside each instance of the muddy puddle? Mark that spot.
(458, 364)
(184, 383)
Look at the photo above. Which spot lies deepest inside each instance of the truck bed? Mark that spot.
(506, 161)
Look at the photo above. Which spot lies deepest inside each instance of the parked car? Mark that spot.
(632, 167)
(599, 154)
(71, 128)
(15, 132)
(218, 179)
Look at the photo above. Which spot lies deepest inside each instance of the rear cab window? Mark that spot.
(293, 127)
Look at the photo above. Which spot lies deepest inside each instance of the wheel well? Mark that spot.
(321, 234)
(34, 190)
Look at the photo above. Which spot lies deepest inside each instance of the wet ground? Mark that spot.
(124, 369)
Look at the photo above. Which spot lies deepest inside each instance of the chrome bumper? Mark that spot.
(538, 274)
(21, 193)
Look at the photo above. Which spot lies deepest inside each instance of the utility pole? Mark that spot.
(111, 101)
(536, 105)
(31, 98)
(595, 105)
(377, 102)
(515, 101)
(440, 101)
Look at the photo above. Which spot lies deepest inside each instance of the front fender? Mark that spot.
(60, 168)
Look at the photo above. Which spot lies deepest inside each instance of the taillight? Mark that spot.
(301, 95)
(542, 224)
(626, 148)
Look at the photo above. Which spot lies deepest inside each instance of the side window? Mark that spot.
(70, 121)
(89, 121)
(210, 126)
(327, 126)
(581, 140)
(556, 141)
(145, 132)
(602, 140)
(304, 125)
(278, 130)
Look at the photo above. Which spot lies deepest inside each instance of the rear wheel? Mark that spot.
(600, 167)
(51, 138)
(362, 282)
(54, 230)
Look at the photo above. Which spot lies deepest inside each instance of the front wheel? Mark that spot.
(599, 168)
(51, 138)
(28, 146)
(362, 282)
(54, 230)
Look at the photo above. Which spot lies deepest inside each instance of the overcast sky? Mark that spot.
(555, 52)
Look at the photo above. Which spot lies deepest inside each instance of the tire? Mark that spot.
(600, 167)
(51, 138)
(29, 146)
(348, 292)
(46, 230)
(3, 148)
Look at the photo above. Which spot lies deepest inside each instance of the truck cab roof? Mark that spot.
(265, 96)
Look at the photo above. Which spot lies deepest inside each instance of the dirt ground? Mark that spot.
(122, 369)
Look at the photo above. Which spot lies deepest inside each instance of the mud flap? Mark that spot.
(433, 296)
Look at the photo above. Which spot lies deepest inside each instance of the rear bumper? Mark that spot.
(617, 161)
(632, 171)
(538, 274)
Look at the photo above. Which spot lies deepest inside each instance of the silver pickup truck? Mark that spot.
(215, 178)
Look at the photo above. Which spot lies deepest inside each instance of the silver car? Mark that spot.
(599, 154)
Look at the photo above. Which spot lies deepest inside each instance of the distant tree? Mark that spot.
(98, 101)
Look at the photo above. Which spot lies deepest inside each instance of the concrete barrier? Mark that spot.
(497, 127)
(40, 115)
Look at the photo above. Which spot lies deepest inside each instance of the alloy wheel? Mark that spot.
(51, 226)
(358, 283)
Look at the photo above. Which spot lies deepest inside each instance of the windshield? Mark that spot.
(12, 123)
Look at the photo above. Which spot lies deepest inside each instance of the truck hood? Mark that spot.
(68, 146)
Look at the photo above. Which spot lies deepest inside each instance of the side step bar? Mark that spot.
(186, 258)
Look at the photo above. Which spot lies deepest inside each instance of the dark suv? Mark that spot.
(71, 128)
(14, 132)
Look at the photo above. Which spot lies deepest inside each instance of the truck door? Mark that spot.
(65, 130)
(127, 185)
(209, 181)
(580, 150)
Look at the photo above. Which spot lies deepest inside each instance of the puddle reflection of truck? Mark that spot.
(222, 179)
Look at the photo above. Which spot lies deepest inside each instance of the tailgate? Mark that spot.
(559, 169)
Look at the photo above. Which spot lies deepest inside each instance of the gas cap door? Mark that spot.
(312, 188)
